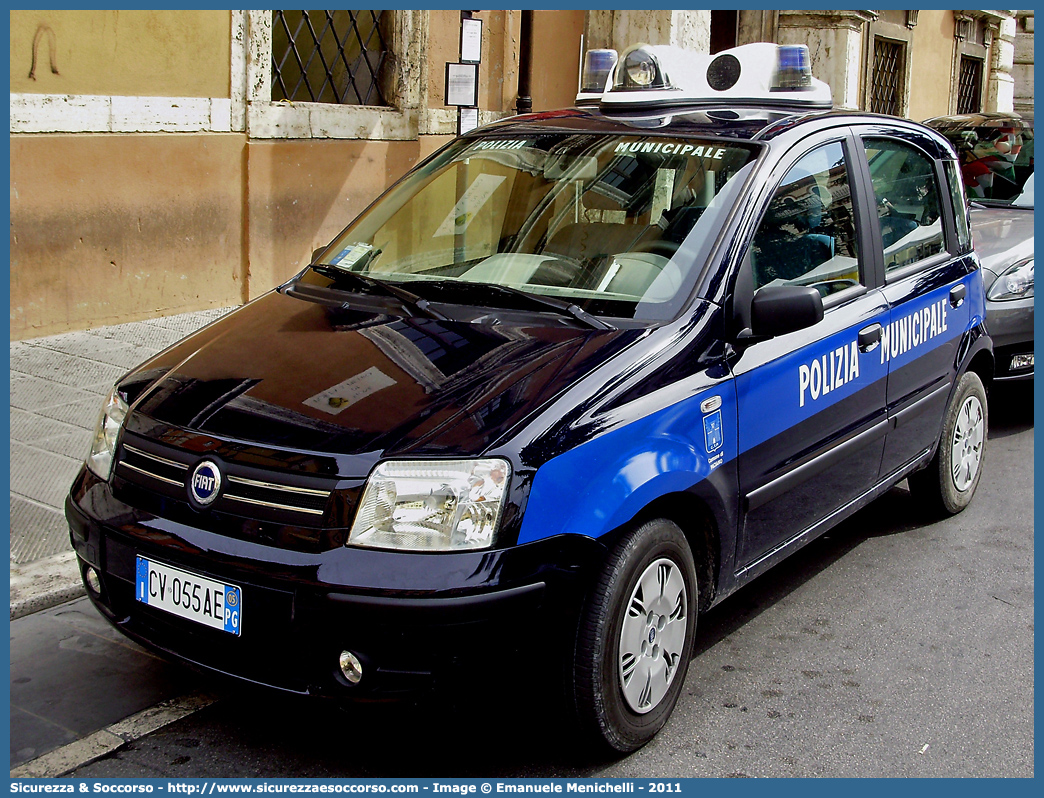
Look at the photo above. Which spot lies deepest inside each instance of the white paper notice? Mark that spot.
(468, 206)
(345, 394)
(461, 84)
(469, 120)
(471, 40)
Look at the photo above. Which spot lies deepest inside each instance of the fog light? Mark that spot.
(1021, 362)
(93, 581)
(351, 667)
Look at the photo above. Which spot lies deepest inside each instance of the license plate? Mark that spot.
(190, 596)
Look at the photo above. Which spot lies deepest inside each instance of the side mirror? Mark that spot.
(779, 309)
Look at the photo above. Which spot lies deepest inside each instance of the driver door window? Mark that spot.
(808, 233)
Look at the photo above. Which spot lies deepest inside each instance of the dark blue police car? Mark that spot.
(570, 382)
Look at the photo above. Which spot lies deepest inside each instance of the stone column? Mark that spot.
(1000, 87)
(1022, 70)
(757, 26)
(620, 29)
(835, 42)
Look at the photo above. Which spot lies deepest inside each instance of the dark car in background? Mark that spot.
(996, 157)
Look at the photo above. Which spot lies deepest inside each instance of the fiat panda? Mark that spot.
(566, 385)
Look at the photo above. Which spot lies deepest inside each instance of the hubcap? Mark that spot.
(966, 446)
(652, 635)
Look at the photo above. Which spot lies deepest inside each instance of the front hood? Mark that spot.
(1002, 236)
(294, 374)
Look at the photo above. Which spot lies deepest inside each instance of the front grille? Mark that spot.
(249, 496)
(153, 466)
(280, 497)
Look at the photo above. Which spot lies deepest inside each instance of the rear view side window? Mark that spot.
(907, 202)
(807, 236)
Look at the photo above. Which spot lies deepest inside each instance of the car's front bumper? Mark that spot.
(1011, 327)
(412, 619)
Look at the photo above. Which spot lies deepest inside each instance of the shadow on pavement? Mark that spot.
(1011, 408)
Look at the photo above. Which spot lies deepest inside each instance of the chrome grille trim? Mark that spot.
(254, 492)
(273, 505)
(155, 457)
(174, 482)
(272, 486)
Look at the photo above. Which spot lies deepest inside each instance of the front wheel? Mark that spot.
(949, 481)
(635, 637)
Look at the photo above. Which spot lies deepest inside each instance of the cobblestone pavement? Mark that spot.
(58, 384)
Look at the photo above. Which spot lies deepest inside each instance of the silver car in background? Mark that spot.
(996, 156)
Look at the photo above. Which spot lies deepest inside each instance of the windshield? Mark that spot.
(996, 163)
(612, 224)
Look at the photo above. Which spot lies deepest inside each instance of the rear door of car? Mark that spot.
(926, 284)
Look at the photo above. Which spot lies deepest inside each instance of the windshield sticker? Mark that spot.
(349, 256)
(468, 206)
(347, 393)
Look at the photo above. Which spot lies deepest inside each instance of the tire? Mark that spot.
(632, 652)
(948, 483)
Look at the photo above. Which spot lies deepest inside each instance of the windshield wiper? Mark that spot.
(558, 305)
(410, 300)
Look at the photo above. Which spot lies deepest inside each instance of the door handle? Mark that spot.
(869, 338)
(957, 294)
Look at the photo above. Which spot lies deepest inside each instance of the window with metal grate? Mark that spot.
(969, 86)
(338, 57)
(887, 77)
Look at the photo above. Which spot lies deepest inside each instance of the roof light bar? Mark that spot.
(640, 69)
(794, 71)
(598, 67)
(664, 75)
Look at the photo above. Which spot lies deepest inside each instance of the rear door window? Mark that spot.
(907, 193)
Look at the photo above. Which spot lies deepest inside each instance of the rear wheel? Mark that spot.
(635, 638)
(949, 481)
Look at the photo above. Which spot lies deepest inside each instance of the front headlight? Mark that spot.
(1015, 283)
(431, 505)
(106, 431)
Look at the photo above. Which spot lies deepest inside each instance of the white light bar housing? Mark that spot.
(597, 75)
(752, 74)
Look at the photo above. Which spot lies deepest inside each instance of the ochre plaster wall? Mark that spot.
(556, 58)
(498, 71)
(932, 64)
(112, 228)
(130, 53)
(302, 193)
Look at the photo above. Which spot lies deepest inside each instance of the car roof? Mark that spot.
(984, 119)
(706, 121)
(750, 123)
